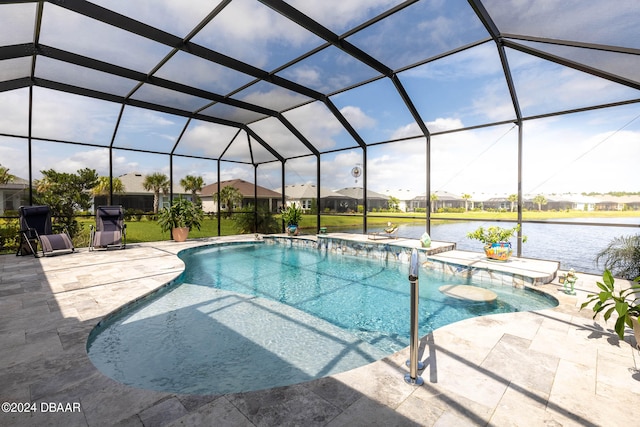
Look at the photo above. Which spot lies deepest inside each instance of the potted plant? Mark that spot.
(496, 240)
(625, 302)
(180, 217)
(292, 216)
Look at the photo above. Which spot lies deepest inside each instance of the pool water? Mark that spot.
(245, 317)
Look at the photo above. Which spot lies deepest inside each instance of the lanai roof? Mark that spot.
(261, 81)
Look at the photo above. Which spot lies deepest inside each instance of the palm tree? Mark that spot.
(433, 198)
(513, 198)
(466, 198)
(103, 189)
(156, 182)
(393, 203)
(5, 176)
(228, 196)
(622, 256)
(540, 200)
(193, 184)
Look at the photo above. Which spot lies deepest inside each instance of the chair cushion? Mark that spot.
(105, 238)
(55, 242)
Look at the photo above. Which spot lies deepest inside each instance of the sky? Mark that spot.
(581, 152)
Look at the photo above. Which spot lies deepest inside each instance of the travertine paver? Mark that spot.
(552, 367)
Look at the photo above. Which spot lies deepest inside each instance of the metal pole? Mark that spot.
(413, 363)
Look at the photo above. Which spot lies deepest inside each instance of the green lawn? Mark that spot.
(149, 231)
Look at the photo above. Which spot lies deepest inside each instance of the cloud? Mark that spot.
(341, 14)
(440, 124)
(317, 124)
(277, 136)
(249, 31)
(69, 31)
(14, 112)
(67, 117)
(205, 138)
(273, 97)
(357, 117)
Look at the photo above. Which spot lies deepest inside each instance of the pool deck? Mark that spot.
(551, 367)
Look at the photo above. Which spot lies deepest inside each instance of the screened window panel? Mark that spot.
(339, 15)
(335, 174)
(279, 137)
(17, 68)
(69, 158)
(301, 170)
(148, 130)
(66, 117)
(320, 127)
(134, 166)
(78, 34)
(169, 98)
(267, 40)
(587, 148)
(188, 166)
(545, 87)
(328, 71)
(231, 113)
(87, 78)
(270, 176)
(481, 162)
(14, 112)
(14, 155)
(270, 96)
(17, 22)
(374, 120)
(259, 153)
(302, 184)
(205, 139)
(239, 149)
(398, 170)
(592, 22)
(194, 71)
(617, 63)
(184, 16)
(465, 89)
(233, 170)
(428, 28)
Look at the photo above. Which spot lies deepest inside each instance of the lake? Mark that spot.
(575, 245)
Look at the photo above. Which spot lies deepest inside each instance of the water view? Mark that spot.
(575, 246)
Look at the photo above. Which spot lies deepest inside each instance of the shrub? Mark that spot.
(9, 238)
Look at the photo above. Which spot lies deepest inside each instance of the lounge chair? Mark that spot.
(110, 230)
(35, 227)
(391, 232)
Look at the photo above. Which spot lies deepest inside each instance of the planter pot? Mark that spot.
(180, 234)
(500, 251)
(636, 331)
(292, 230)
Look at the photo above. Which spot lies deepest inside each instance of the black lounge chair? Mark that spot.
(110, 230)
(35, 227)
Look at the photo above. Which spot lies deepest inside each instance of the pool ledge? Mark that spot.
(440, 256)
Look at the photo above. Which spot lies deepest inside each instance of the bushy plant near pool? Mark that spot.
(624, 302)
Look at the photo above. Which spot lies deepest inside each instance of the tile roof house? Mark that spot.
(265, 197)
(13, 194)
(304, 196)
(374, 200)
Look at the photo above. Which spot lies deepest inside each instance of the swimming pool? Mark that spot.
(244, 317)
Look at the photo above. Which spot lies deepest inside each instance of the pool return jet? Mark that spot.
(413, 363)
